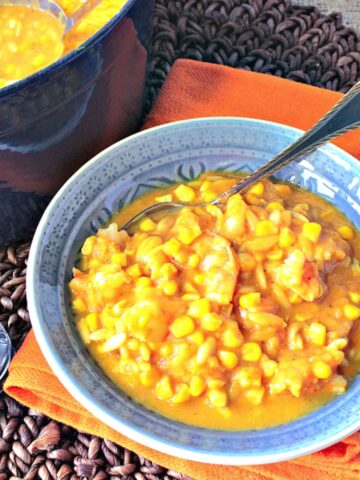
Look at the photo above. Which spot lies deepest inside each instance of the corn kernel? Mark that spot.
(171, 247)
(143, 282)
(228, 359)
(166, 350)
(197, 386)
(183, 352)
(188, 234)
(168, 270)
(250, 300)
(199, 278)
(255, 395)
(354, 297)
(189, 297)
(206, 185)
(268, 367)
(294, 299)
(164, 389)
(39, 60)
(251, 352)
(133, 344)
(211, 322)
(258, 189)
(188, 287)
(181, 257)
(317, 333)
(351, 312)
(134, 271)
(84, 331)
(147, 225)
(182, 394)
(286, 238)
(249, 377)
(148, 379)
(197, 337)
(88, 246)
(214, 211)
(321, 369)
(312, 231)
(124, 353)
(144, 366)
(199, 308)
(232, 338)
(205, 350)
(92, 321)
(213, 363)
(209, 196)
(184, 193)
(145, 352)
(347, 233)
(116, 280)
(273, 206)
(217, 398)
(193, 260)
(265, 227)
(119, 258)
(182, 326)
(164, 198)
(275, 255)
(115, 342)
(79, 305)
(169, 287)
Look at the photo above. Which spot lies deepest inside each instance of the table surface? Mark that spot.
(350, 9)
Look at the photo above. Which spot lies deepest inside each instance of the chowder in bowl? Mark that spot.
(176, 153)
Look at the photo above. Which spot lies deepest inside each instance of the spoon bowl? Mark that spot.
(5, 351)
(57, 12)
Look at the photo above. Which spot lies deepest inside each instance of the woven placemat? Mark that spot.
(269, 36)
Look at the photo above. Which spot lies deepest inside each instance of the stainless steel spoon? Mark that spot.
(343, 117)
(5, 351)
(56, 11)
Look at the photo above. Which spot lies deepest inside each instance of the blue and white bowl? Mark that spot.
(154, 158)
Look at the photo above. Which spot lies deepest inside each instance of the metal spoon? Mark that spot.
(56, 11)
(343, 117)
(5, 351)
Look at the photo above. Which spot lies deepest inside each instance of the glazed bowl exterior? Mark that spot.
(154, 158)
(55, 120)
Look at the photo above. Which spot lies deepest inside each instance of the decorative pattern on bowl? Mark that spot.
(158, 157)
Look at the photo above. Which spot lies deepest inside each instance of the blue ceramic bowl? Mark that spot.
(176, 153)
(55, 120)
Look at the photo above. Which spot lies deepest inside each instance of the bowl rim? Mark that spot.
(70, 56)
(91, 406)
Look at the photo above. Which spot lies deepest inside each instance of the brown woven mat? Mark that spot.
(269, 36)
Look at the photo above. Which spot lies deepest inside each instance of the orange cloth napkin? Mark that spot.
(196, 90)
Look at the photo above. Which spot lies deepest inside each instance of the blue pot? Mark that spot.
(55, 120)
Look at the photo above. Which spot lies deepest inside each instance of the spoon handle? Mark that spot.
(343, 117)
(79, 14)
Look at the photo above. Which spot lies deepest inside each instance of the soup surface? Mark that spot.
(231, 317)
(31, 39)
